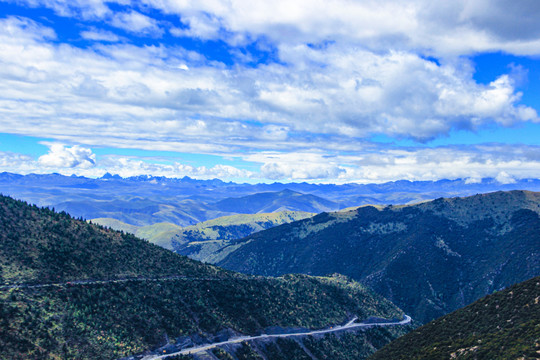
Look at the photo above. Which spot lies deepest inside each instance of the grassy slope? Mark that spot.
(203, 240)
(504, 325)
(104, 321)
(116, 225)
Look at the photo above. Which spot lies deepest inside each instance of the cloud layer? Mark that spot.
(302, 84)
(504, 163)
(139, 94)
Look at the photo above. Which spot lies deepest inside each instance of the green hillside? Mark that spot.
(505, 325)
(138, 296)
(41, 246)
(429, 259)
(204, 240)
(116, 225)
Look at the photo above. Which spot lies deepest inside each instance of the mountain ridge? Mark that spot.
(146, 200)
(453, 263)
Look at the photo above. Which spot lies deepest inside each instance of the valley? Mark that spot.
(269, 180)
(351, 324)
(111, 295)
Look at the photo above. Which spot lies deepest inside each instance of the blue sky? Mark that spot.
(335, 91)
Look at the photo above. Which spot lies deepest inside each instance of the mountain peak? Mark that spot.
(289, 192)
(109, 176)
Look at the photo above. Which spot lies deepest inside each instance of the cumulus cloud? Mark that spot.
(441, 28)
(60, 156)
(131, 166)
(506, 164)
(18, 163)
(376, 165)
(297, 166)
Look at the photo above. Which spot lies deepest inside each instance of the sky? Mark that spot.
(332, 91)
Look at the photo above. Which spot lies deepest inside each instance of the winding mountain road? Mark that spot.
(92, 282)
(192, 350)
(350, 325)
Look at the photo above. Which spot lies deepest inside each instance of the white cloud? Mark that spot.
(376, 165)
(136, 22)
(202, 26)
(440, 28)
(504, 178)
(506, 164)
(345, 70)
(86, 9)
(95, 34)
(25, 29)
(126, 166)
(17, 163)
(60, 156)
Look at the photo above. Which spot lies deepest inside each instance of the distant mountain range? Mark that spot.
(501, 326)
(147, 200)
(430, 259)
(268, 202)
(74, 290)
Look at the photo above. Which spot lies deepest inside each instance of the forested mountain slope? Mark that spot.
(137, 296)
(504, 325)
(429, 259)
